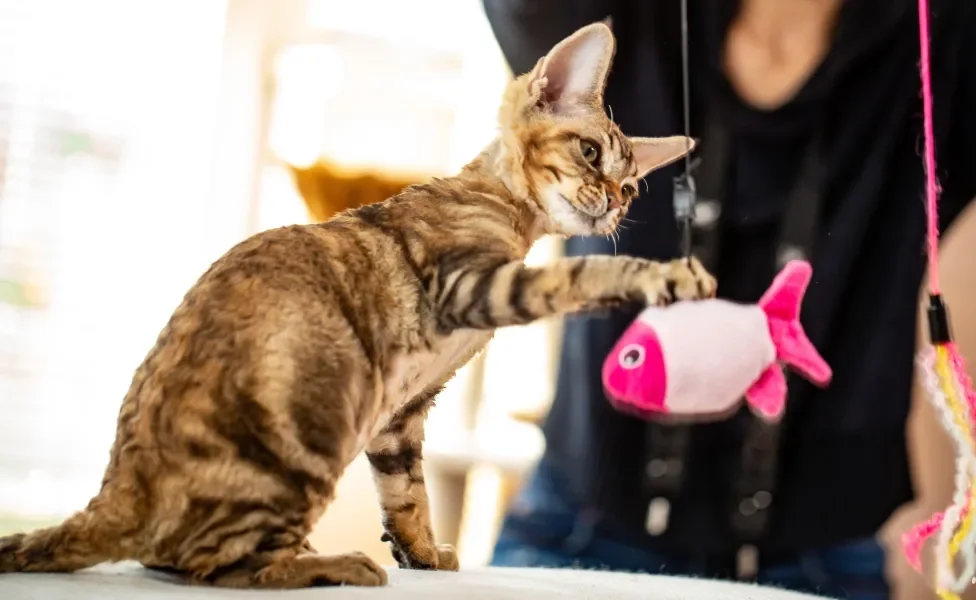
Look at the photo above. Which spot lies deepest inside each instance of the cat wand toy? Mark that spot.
(948, 385)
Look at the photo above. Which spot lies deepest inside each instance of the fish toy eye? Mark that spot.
(632, 356)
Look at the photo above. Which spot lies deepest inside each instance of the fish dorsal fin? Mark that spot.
(783, 298)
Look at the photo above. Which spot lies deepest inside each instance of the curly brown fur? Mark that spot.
(306, 345)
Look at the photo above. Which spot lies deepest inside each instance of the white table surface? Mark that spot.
(131, 582)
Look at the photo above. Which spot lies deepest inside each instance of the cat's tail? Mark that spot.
(84, 540)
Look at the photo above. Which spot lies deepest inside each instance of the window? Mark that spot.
(107, 142)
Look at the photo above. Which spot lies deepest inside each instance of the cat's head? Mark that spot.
(560, 151)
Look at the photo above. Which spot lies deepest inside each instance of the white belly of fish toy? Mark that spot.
(702, 358)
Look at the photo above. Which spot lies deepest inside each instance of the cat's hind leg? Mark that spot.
(263, 550)
(254, 543)
(299, 569)
(395, 456)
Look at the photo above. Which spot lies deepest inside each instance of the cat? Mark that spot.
(306, 345)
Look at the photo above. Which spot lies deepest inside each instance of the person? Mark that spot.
(808, 116)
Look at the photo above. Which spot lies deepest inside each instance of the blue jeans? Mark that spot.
(543, 529)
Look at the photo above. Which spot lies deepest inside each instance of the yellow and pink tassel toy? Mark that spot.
(949, 389)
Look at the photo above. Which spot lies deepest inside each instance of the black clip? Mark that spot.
(684, 199)
(938, 317)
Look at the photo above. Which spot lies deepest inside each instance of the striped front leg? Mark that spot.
(487, 294)
(396, 456)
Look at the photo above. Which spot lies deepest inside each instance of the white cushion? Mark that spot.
(131, 582)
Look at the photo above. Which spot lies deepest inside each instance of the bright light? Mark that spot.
(309, 76)
(401, 93)
(115, 226)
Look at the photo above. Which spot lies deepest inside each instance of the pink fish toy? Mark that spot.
(699, 359)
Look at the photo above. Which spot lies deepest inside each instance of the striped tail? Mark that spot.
(82, 541)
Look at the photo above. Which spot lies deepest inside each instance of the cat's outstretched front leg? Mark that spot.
(395, 456)
(488, 296)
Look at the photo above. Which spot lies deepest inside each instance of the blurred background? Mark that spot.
(141, 139)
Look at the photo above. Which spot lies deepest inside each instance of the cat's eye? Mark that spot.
(591, 152)
(629, 190)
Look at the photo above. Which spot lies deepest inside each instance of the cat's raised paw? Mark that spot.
(687, 279)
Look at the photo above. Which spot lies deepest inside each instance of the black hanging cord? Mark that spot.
(685, 82)
(684, 194)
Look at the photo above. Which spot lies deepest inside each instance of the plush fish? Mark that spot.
(700, 359)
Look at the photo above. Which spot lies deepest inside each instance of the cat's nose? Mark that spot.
(613, 201)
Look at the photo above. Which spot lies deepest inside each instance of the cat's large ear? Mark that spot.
(653, 153)
(575, 70)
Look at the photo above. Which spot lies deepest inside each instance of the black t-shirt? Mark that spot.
(843, 458)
